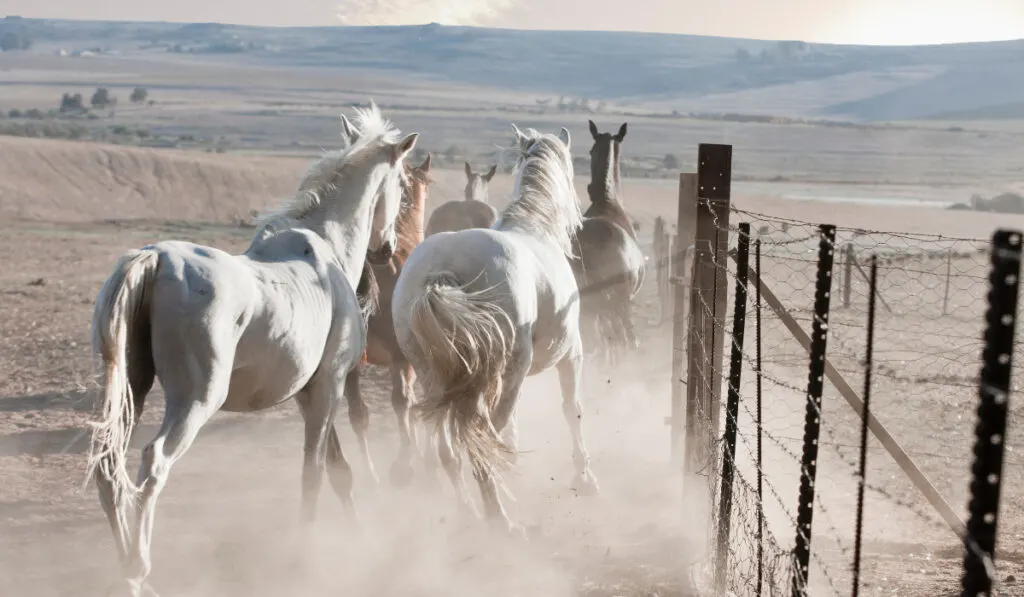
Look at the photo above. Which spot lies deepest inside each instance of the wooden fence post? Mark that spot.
(708, 301)
(685, 230)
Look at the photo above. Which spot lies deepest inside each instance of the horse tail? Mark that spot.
(115, 320)
(460, 334)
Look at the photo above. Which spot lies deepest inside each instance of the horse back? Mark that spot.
(611, 211)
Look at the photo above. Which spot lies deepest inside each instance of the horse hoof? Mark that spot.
(586, 485)
(401, 474)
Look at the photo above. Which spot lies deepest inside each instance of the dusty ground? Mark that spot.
(227, 522)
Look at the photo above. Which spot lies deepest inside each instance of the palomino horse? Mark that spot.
(474, 212)
(611, 267)
(381, 346)
(479, 310)
(242, 333)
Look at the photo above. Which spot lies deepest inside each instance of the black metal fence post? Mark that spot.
(862, 472)
(760, 426)
(812, 418)
(990, 432)
(732, 408)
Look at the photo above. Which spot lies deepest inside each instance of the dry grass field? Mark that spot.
(227, 522)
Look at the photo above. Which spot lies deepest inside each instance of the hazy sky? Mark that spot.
(840, 21)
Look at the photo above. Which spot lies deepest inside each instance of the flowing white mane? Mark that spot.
(544, 200)
(322, 178)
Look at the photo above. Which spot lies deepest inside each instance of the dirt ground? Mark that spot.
(227, 523)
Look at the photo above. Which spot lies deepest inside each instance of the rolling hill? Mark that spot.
(656, 71)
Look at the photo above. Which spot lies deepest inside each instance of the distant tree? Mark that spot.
(15, 113)
(11, 42)
(35, 114)
(102, 98)
(743, 56)
(671, 162)
(72, 103)
(139, 95)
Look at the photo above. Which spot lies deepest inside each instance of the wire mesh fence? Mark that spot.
(931, 301)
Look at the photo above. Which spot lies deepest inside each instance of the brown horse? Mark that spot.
(473, 212)
(375, 288)
(610, 267)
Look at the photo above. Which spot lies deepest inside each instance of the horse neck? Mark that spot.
(604, 183)
(344, 222)
(476, 192)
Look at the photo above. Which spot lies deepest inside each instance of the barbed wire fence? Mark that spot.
(931, 301)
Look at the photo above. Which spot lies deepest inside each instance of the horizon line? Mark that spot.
(10, 17)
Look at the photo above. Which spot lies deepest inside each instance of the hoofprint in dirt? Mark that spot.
(237, 535)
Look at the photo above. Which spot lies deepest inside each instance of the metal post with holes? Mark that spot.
(760, 425)
(847, 275)
(812, 417)
(949, 272)
(990, 431)
(732, 409)
(862, 467)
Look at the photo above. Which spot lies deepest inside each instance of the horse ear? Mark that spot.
(519, 134)
(425, 167)
(593, 129)
(622, 133)
(348, 130)
(469, 171)
(490, 173)
(403, 147)
(564, 136)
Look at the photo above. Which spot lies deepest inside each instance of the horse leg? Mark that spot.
(625, 305)
(339, 472)
(187, 410)
(569, 374)
(318, 403)
(402, 377)
(359, 416)
(452, 465)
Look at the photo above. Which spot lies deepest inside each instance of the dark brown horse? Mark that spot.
(473, 212)
(610, 267)
(375, 290)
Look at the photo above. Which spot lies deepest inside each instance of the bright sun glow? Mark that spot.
(909, 22)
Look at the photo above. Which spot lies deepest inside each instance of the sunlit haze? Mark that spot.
(833, 21)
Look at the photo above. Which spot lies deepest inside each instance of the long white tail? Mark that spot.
(117, 307)
(461, 335)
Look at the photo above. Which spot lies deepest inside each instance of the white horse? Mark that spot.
(242, 333)
(478, 310)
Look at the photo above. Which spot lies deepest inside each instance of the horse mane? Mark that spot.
(322, 178)
(409, 224)
(544, 200)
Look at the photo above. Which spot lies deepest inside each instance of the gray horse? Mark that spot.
(473, 212)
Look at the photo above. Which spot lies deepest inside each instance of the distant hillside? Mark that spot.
(76, 181)
(676, 72)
